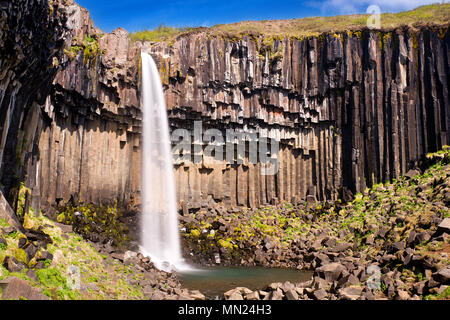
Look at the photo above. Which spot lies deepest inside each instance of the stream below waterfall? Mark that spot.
(214, 282)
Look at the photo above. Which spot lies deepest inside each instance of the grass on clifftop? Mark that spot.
(436, 14)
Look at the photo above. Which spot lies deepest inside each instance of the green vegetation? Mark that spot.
(385, 214)
(100, 277)
(162, 33)
(90, 48)
(436, 14)
(103, 221)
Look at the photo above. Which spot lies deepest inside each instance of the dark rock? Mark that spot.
(3, 241)
(22, 243)
(419, 287)
(444, 226)
(31, 251)
(442, 275)
(397, 246)
(341, 247)
(118, 256)
(412, 173)
(45, 255)
(331, 271)
(32, 275)
(12, 265)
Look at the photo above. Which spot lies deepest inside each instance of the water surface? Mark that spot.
(214, 282)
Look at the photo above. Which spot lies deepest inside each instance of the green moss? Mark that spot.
(55, 285)
(20, 255)
(104, 220)
(195, 233)
(23, 194)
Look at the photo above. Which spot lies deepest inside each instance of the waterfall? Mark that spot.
(159, 225)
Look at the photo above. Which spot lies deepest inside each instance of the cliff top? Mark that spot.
(436, 14)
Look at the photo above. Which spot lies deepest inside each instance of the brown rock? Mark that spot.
(16, 289)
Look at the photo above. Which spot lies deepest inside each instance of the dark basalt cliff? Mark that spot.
(348, 110)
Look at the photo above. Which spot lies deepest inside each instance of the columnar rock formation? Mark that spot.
(69, 106)
(348, 109)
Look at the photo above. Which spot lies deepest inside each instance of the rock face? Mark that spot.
(69, 106)
(347, 110)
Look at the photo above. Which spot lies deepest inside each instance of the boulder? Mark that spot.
(12, 265)
(15, 289)
(403, 295)
(237, 291)
(412, 173)
(341, 247)
(253, 296)
(129, 256)
(235, 296)
(276, 295)
(319, 294)
(291, 294)
(442, 275)
(350, 293)
(197, 295)
(331, 271)
(444, 226)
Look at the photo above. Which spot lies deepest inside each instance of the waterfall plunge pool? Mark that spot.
(215, 281)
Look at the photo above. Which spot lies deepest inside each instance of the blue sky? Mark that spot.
(135, 15)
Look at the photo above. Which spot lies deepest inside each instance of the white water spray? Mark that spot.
(159, 226)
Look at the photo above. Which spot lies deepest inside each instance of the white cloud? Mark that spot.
(359, 6)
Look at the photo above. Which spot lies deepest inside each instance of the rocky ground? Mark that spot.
(47, 260)
(391, 242)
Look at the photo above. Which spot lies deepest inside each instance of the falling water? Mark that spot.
(159, 226)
